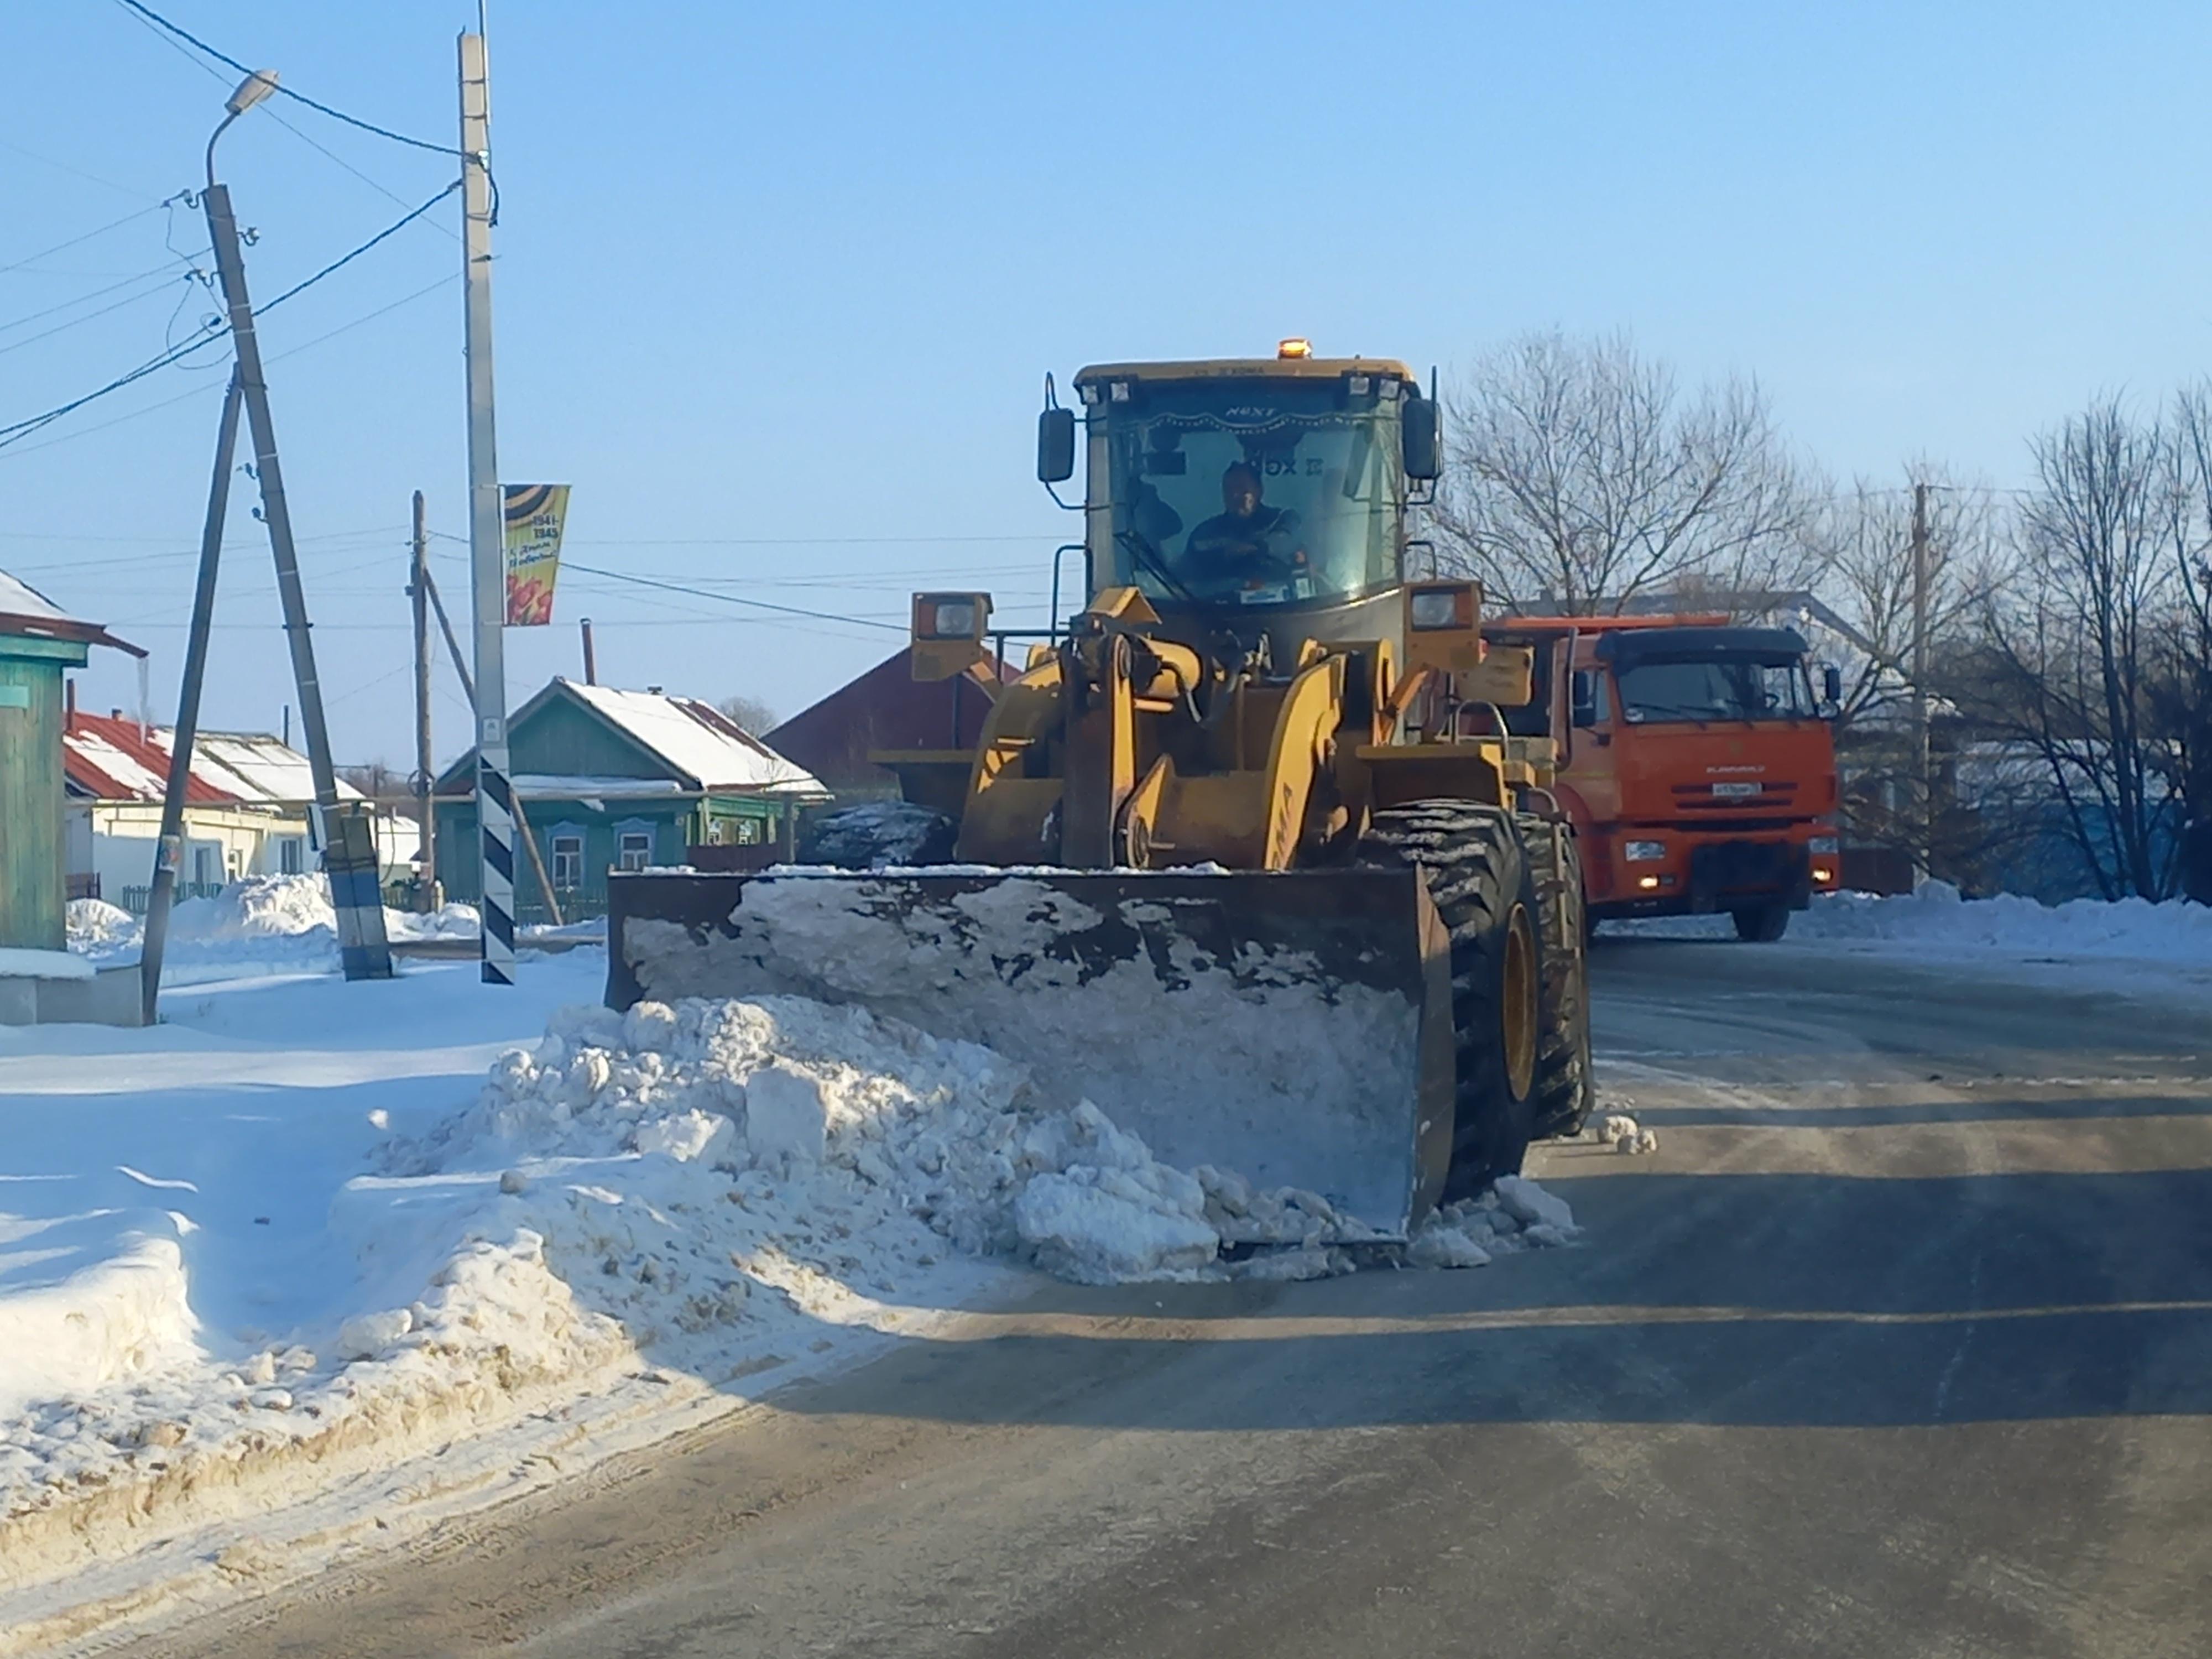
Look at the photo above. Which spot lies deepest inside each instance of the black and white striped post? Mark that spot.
(487, 530)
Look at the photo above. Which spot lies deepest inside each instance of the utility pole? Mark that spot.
(169, 849)
(487, 530)
(1922, 768)
(349, 839)
(418, 590)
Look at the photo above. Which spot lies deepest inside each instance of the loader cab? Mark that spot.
(1256, 497)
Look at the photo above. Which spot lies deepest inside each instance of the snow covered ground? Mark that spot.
(257, 1258)
(257, 925)
(1937, 922)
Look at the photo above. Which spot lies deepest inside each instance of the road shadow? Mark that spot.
(1753, 1300)
(1992, 1110)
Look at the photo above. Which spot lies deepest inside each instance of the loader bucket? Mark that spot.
(1294, 1029)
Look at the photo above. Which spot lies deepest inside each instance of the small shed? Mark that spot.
(614, 780)
(39, 643)
(887, 708)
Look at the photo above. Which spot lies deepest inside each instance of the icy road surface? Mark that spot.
(1900, 1343)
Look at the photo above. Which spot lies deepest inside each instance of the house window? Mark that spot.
(204, 867)
(634, 849)
(289, 858)
(567, 861)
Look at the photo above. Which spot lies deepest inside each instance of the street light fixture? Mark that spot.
(251, 91)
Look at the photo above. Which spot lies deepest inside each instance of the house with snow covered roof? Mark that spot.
(246, 809)
(613, 780)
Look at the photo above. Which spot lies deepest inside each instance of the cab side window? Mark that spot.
(1592, 698)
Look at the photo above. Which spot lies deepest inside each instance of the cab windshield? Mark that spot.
(1724, 689)
(1257, 492)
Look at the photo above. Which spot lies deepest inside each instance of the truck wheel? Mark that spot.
(1566, 1082)
(1761, 924)
(1486, 895)
(878, 834)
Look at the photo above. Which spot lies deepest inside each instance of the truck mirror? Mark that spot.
(1055, 446)
(1584, 699)
(1421, 437)
(1831, 684)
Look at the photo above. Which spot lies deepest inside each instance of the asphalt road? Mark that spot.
(1901, 1344)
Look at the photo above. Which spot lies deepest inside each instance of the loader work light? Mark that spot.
(1435, 609)
(1442, 623)
(948, 633)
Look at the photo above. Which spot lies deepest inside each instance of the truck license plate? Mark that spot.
(1735, 790)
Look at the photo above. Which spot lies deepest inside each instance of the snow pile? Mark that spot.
(808, 1121)
(1620, 1132)
(879, 834)
(259, 924)
(1936, 919)
(1937, 914)
(96, 926)
(1516, 1215)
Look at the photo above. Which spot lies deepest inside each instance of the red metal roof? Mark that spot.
(105, 757)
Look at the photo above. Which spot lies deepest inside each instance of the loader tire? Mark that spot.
(1484, 894)
(1566, 1086)
(1761, 924)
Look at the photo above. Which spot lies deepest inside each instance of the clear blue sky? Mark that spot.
(777, 286)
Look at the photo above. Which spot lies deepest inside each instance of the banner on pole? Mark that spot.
(536, 514)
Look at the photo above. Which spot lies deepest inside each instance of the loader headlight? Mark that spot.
(1440, 605)
(1823, 847)
(1644, 852)
(951, 616)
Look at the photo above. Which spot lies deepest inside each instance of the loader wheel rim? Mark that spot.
(1518, 1013)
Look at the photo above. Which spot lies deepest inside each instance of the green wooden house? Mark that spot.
(39, 645)
(612, 780)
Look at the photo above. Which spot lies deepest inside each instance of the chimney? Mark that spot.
(653, 690)
(591, 663)
(115, 714)
(69, 699)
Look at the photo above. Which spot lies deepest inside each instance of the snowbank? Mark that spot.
(332, 1249)
(1937, 918)
(258, 925)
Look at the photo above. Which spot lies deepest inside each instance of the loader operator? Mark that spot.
(1247, 541)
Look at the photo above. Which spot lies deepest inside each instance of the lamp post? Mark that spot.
(347, 840)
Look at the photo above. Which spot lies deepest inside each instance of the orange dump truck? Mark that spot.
(1699, 770)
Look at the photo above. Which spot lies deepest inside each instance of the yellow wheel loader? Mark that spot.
(1247, 855)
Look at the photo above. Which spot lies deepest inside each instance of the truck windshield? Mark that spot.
(1724, 689)
(1255, 492)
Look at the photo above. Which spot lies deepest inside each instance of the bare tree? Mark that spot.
(2187, 701)
(1579, 476)
(2073, 644)
(751, 713)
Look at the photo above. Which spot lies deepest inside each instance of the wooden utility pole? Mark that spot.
(418, 590)
(169, 848)
(1922, 768)
(487, 530)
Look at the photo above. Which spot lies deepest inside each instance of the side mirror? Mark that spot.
(1832, 684)
(1055, 446)
(1582, 699)
(1421, 437)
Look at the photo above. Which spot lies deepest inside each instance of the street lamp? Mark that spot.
(251, 91)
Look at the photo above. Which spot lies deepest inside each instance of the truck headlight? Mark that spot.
(1644, 852)
(1823, 847)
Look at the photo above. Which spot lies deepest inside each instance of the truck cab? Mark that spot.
(1699, 770)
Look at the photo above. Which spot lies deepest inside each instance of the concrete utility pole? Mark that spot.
(487, 530)
(348, 840)
(418, 590)
(1922, 769)
(169, 850)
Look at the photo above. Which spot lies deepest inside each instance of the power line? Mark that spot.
(733, 598)
(194, 41)
(162, 270)
(209, 332)
(63, 328)
(76, 172)
(87, 236)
